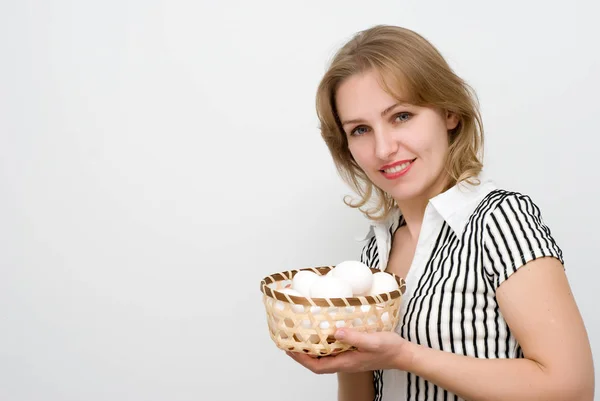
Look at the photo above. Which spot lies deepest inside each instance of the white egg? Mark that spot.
(324, 325)
(383, 282)
(315, 310)
(330, 287)
(298, 308)
(357, 274)
(295, 308)
(385, 317)
(303, 280)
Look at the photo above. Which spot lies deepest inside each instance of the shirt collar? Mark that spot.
(458, 203)
(455, 206)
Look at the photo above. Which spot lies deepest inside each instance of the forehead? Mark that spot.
(367, 93)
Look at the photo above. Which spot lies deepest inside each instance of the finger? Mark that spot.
(322, 365)
(360, 340)
(348, 361)
(296, 355)
(303, 359)
(300, 355)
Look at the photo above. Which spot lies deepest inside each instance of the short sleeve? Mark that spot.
(515, 234)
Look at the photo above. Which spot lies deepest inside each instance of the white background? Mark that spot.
(159, 158)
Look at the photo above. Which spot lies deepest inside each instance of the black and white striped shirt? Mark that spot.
(472, 239)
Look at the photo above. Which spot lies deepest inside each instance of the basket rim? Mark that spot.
(307, 301)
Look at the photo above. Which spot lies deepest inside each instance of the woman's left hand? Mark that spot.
(381, 350)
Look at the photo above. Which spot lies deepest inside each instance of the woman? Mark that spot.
(488, 313)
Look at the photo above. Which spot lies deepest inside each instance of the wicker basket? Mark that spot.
(307, 325)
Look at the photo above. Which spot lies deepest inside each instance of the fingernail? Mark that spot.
(340, 334)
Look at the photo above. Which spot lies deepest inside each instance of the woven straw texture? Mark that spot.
(307, 325)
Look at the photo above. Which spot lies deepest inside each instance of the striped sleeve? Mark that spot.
(369, 254)
(515, 234)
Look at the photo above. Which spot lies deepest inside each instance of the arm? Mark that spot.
(538, 306)
(524, 266)
(355, 386)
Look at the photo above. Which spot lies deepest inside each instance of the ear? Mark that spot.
(451, 120)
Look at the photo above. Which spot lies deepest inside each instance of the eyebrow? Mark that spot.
(383, 114)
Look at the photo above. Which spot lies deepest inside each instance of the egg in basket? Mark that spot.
(306, 306)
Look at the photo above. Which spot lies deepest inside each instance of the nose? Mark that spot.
(385, 144)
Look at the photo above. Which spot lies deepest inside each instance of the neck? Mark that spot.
(413, 209)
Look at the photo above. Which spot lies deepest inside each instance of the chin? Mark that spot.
(403, 193)
(403, 196)
(409, 191)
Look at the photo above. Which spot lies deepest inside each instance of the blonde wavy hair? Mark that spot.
(412, 70)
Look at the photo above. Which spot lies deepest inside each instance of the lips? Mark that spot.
(396, 169)
(399, 165)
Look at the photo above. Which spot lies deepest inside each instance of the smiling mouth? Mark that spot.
(397, 168)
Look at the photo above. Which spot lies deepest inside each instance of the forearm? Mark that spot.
(356, 386)
(497, 379)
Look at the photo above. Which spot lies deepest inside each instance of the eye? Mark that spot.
(403, 117)
(361, 129)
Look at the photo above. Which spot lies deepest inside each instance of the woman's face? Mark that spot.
(402, 148)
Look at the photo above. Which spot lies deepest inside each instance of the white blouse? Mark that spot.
(473, 237)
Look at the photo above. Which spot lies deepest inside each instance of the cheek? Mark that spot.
(434, 145)
(364, 159)
(358, 153)
(439, 154)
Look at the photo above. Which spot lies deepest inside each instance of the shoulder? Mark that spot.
(514, 208)
(514, 233)
(505, 212)
(480, 198)
(512, 205)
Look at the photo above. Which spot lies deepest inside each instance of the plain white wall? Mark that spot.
(158, 158)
